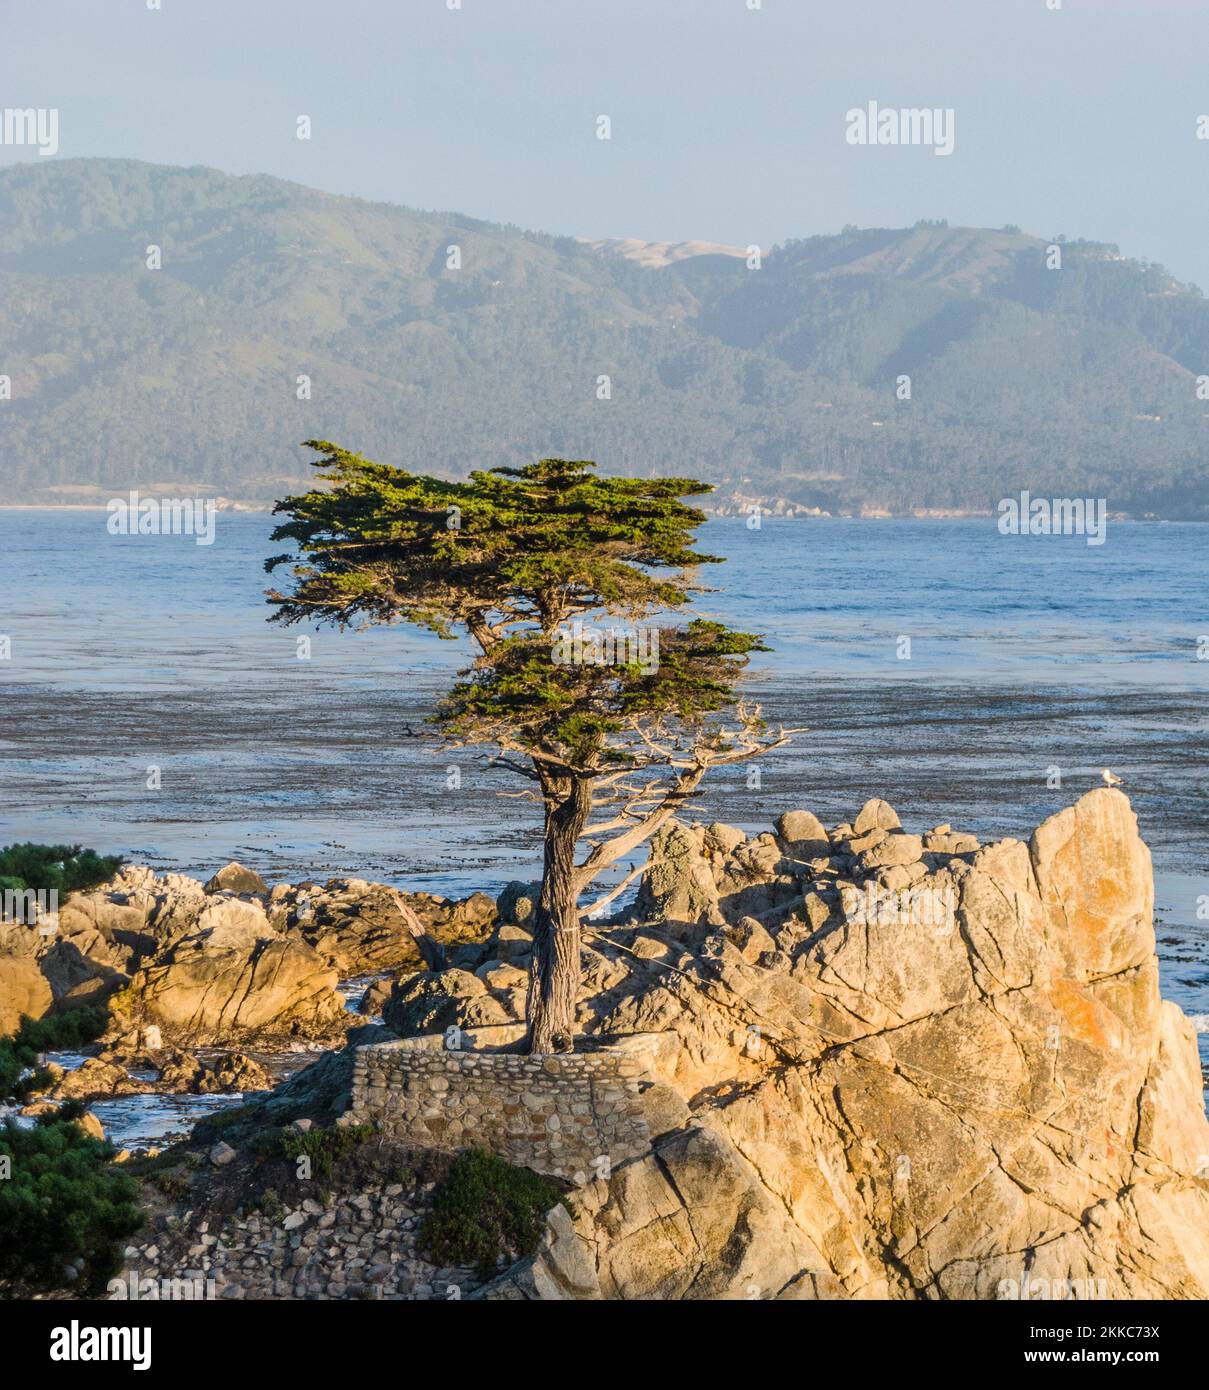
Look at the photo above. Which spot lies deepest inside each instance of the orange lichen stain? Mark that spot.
(1079, 1012)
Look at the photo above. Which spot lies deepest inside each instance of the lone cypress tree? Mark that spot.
(612, 723)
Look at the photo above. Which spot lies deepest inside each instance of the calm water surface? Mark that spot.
(1026, 655)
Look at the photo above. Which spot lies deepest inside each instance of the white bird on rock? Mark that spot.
(1110, 778)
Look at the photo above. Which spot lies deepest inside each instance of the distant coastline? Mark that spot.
(774, 509)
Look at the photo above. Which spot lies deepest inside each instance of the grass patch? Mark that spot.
(64, 1202)
(484, 1210)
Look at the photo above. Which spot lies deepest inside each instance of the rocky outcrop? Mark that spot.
(24, 992)
(235, 878)
(359, 927)
(98, 1078)
(230, 961)
(112, 1073)
(903, 1071)
(101, 937)
(433, 1002)
(234, 979)
(373, 1001)
(128, 919)
(231, 1072)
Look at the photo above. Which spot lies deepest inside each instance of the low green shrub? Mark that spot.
(64, 1202)
(485, 1209)
(324, 1147)
(58, 1032)
(61, 868)
(172, 1182)
(269, 1204)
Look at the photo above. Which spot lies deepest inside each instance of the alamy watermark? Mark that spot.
(1058, 516)
(129, 1286)
(27, 125)
(162, 516)
(926, 906)
(1030, 1288)
(913, 125)
(80, 1342)
(32, 907)
(581, 645)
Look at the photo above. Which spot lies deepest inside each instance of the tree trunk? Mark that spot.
(554, 971)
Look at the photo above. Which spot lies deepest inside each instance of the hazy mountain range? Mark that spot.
(777, 382)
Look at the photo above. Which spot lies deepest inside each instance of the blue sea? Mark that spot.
(954, 671)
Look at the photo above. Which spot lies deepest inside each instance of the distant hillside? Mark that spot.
(778, 382)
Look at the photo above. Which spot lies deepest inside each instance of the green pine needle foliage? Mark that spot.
(64, 1202)
(512, 555)
(61, 868)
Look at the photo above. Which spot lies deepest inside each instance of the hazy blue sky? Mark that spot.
(728, 123)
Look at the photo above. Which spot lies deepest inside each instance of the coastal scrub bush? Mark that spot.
(20, 1076)
(54, 868)
(269, 1204)
(63, 1203)
(172, 1182)
(323, 1147)
(485, 1209)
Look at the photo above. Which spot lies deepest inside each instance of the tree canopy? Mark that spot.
(617, 722)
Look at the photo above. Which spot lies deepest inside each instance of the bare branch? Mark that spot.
(601, 903)
(431, 950)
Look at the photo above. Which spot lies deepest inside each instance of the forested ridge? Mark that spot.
(781, 382)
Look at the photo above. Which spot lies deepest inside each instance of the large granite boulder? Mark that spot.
(803, 835)
(431, 1002)
(24, 992)
(234, 978)
(876, 814)
(235, 878)
(949, 1090)
(678, 887)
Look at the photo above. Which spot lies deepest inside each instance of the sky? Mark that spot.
(728, 118)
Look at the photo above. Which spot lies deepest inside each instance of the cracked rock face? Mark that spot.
(232, 978)
(356, 925)
(888, 1102)
(23, 989)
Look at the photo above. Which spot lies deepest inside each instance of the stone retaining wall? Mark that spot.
(566, 1115)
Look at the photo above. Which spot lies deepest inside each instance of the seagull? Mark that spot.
(1110, 778)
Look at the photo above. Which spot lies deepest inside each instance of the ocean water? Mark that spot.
(947, 668)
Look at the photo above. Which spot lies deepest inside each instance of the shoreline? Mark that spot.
(940, 514)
